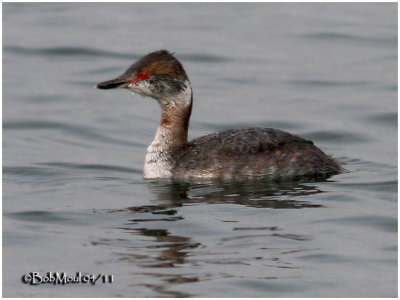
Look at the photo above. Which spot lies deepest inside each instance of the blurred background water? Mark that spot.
(74, 199)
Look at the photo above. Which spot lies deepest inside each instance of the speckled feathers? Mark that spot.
(230, 155)
(253, 153)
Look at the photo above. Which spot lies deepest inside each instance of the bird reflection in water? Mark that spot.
(249, 193)
(166, 251)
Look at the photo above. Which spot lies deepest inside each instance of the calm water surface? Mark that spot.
(74, 199)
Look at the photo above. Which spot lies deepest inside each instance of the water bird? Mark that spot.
(229, 155)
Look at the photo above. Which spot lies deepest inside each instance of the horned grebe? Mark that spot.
(229, 155)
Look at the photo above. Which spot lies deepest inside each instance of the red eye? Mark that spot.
(139, 77)
(142, 76)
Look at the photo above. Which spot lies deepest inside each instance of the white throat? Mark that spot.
(158, 162)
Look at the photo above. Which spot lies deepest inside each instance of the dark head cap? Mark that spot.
(158, 63)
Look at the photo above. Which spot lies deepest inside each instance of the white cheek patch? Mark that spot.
(141, 88)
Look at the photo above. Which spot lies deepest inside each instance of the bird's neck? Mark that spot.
(176, 111)
(171, 135)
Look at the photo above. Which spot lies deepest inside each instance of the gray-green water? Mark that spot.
(74, 199)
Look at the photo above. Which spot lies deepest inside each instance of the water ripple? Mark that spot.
(336, 137)
(81, 51)
(65, 51)
(29, 171)
(207, 58)
(79, 130)
(388, 119)
(55, 172)
(39, 216)
(337, 36)
(327, 83)
(386, 224)
(98, 167)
